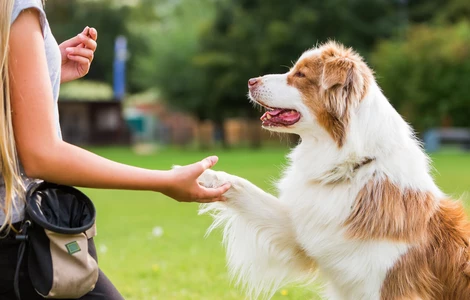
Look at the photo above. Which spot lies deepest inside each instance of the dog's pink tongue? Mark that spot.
(272, 113)
(275, 111)
(290, 116)
(280, 116)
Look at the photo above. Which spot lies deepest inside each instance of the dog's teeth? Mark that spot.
(268, 116)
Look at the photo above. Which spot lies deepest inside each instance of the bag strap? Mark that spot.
(23, 237)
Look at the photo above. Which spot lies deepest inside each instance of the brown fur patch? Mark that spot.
(384, 211)
(437, 265)
(332, 82)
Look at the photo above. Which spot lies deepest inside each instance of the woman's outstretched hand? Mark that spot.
(184, 187)
(77, 54)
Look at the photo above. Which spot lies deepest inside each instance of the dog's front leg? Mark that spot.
(258, 233)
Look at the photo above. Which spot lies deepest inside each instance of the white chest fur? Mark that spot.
(353, 269)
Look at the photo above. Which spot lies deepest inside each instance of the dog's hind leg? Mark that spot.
(262, 250)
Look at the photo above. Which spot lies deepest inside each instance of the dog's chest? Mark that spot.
(314, 207)
(318, 215)
(318, 212)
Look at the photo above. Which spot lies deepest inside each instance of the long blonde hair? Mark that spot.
(9, 166)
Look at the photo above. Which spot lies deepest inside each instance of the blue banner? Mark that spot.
(119, 71)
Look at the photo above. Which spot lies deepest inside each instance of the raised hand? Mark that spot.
(77, 54)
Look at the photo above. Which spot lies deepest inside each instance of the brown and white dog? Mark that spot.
(357, 202)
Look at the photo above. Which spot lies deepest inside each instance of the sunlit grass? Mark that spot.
(154, 248)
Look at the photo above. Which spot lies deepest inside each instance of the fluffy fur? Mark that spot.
(356, 204)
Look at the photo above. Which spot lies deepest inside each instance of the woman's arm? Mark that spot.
(45, 156)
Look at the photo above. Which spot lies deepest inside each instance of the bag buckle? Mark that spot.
(23, 233)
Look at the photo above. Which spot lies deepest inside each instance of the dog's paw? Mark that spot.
(213, 179)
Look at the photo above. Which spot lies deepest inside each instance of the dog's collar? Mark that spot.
(344, 171)
(365, 161)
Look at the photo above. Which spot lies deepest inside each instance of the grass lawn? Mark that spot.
(154, 248)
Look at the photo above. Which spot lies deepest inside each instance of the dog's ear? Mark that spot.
(337, 71)
(341, 82)
(342, 85)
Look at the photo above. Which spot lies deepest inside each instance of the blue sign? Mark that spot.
(119, 70)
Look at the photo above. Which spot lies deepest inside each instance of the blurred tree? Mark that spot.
(201, 54)
(454, 11)
(172, 42)
(427, 76)
(425, 11)
(255, 37)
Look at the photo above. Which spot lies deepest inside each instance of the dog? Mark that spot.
(356, 204)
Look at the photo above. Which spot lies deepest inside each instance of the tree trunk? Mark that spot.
(219, 134)
(255, 133)
(205, 134)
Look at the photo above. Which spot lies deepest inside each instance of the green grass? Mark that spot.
(182, 264)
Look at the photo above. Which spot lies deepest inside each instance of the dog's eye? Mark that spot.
(299, 74)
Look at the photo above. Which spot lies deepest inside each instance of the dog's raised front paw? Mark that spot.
(213, 179)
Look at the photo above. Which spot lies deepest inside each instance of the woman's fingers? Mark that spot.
(89, 42)
(83, 61)
(209, 200)
(93, 33)
(85, 30)
(196, 169)
(209, 193)
(78, 39)
(78, 51)
(72, 42)
(189, 190)
(208, 162)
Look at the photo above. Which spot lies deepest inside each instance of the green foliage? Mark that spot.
(200, 54)
(427, 76)
(172, 42)
(86, 90)
(251, 38)
(425, 11)
(455, 11)
(246, 39)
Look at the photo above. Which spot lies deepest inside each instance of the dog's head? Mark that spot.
(322, 89)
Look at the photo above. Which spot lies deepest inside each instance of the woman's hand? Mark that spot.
(77, 54)
(184, 187)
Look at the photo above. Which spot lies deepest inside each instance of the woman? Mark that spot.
(32, 66)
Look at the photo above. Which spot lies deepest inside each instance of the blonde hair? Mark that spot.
(9, 166)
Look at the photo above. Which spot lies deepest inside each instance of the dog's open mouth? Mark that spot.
(280, 117)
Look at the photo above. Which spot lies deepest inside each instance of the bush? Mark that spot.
(86, 90)
(426, 76)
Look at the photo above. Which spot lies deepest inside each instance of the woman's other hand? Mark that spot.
(184, 187)
(77, 54)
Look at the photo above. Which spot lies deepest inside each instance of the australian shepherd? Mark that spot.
(357, 203)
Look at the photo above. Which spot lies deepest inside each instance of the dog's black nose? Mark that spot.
(253, 82)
